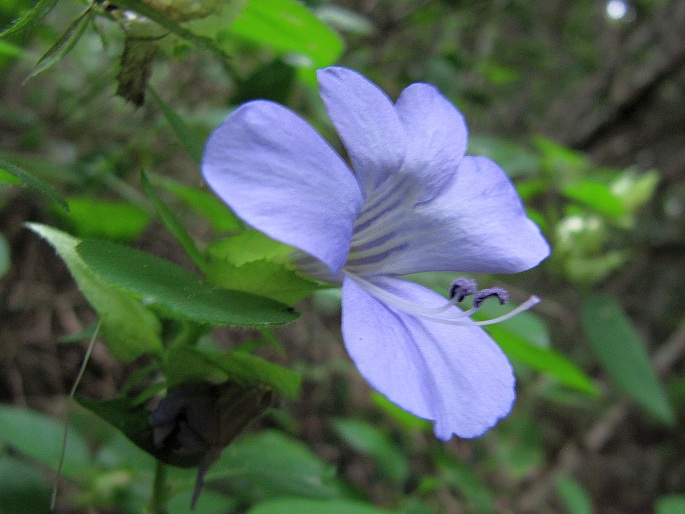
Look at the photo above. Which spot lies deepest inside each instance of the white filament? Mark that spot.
(434, 313)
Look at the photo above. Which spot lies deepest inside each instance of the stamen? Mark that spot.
(501, 294)
(433, 313)
(463, 287)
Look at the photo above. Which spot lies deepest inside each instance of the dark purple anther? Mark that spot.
(482, 295)
(462, 287)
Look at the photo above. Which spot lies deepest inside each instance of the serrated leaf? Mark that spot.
(189, 138)
(31, 18)
(288, 26)
(177, 293)
(33, 182)
(64, 44)
(184, 363)
(270, 279)
(130, 329)
(621, 351)
(545, 360)
(173, 224)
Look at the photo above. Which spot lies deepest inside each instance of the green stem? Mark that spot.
(160, 491)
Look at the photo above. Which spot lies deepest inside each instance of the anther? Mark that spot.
(501, 294)
(461, 288)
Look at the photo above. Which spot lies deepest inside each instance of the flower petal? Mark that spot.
(456, 376)
(476, 224)
(436, 136)
(279, 175)
(366, 120)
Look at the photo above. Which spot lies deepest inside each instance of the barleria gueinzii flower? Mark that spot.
(414, 203)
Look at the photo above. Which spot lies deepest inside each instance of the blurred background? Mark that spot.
(582, 103)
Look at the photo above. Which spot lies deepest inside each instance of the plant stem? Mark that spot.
(160, 493)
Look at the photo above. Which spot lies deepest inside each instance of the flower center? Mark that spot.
(447, 313)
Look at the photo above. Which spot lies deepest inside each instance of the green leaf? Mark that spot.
(204, 203)
(574, 498)
(130, 329)
(31, 181)
(176, 292)
(404, 418)
(270, 279)
(183, 364)
(307, 506)
(188, 137)
(65, 43)
(366, 438)
(597, 196)
(621, 351)
(95, 217)
(173, 224)
(4, 255)
(22, 485)
(545, 360)
(248, 246)
(670, 504)
(39, 437)
(31, 18)
(273, 463)
(288, 26)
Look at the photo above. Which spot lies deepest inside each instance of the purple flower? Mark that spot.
(414, 203)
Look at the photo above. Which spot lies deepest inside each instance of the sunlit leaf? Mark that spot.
(130, 329)
(622, 352)
(110, 219)
(288, 26)
(597, 196)
(177, 293)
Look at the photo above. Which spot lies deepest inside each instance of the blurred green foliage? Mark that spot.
(100, 168)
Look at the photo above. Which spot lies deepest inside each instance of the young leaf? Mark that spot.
(187, 136)
(597, 196)
(545, 360)
(31, 181)
(177, 293)
(173, 224)
(288, 26)
(31, 18)
(183, 364)
(130, 329)
(620, 350)
(65, 43)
